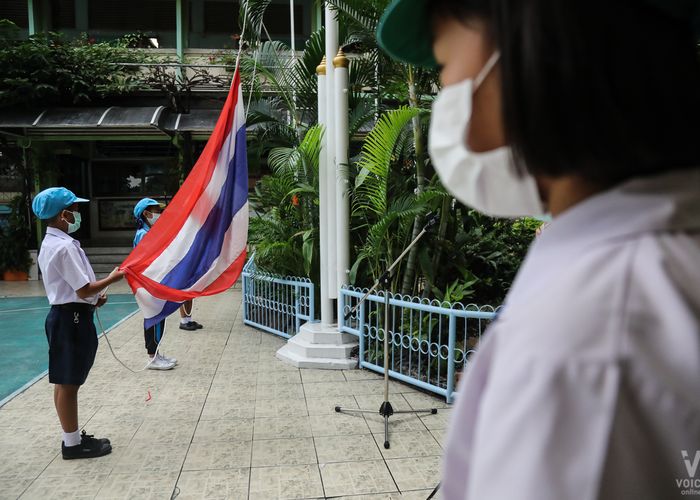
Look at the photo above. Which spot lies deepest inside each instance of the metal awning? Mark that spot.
(104, 122)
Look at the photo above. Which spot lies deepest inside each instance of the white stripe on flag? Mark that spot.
(182, 242)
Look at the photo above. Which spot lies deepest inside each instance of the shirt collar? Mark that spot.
(663, 203)
(60, 234)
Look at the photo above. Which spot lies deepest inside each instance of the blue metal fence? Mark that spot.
(276, 304)
(430, 341)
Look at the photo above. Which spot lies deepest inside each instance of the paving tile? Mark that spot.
(326, 405)
(361, 375)
(346, 448)
(419, 400)
(327, 389)
(273, 452)
(142, 485)
(217, 409)
(13, 487)
(233, 429)
(152, 457)
(163, 411)
(280, 408)
(356, 478)
(47, 488)
(165, 432)
(233, 392)
(440, 420)
(338, 424)
(409, 444)
(230, 484)
(440, 436)
(309, 375)
(280, 391)
(279, 377)
(285, 482)
(421, 495)
(415, 473)
(406, 422)
(371, 402)
(218, 455)
(282, 427)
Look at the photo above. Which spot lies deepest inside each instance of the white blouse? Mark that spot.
(587, 386)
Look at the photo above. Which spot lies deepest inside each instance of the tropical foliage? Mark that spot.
(466, 257)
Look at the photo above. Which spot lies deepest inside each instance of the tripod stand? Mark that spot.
(386, 410)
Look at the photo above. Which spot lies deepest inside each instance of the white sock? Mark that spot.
(185, 320)
(71, 438)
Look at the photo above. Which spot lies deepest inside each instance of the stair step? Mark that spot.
(299, 361)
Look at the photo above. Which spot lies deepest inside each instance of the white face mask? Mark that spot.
(73, 226)
(152, 219)
(487, 182)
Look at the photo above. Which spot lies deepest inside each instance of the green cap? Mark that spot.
(404, 32)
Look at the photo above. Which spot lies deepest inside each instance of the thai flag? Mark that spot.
(198, 245)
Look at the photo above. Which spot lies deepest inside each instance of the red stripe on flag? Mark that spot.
(175, 215)
(222, 283)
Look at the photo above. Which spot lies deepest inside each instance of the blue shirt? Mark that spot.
(140, 233)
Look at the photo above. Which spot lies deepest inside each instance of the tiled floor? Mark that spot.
(230, 422)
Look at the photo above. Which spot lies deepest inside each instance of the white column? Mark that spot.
(331, 51)
(324, 229)
(342, 221)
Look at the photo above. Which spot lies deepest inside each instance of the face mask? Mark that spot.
(152, 219)
(74, 226)
(487, 182)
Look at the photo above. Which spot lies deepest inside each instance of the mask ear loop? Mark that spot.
(479, 79)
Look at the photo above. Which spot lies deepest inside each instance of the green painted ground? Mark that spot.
(23, 347)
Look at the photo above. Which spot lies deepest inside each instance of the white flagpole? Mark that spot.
(341, 159)
(325, 228)
(331, 51)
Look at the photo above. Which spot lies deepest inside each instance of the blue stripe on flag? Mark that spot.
(209, 239)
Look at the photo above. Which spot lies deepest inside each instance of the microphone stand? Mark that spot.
(386, 410)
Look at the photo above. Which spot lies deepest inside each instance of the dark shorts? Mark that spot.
(72, 337)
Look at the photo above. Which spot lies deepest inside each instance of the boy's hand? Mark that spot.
(101, 299)
(116, 274)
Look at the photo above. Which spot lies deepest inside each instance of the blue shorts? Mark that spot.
(70, 331)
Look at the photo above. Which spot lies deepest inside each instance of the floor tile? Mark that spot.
(346, 448)
(284, 427)
(218, 455)
(142, 485)
(227, 484)
(280, 391)
(273, 452)
(230, 429)
(338, 424)
(150, 457)
(217, 409)
(285, 482)
(440, 420)
(326, 405)
(48, 488)
(356, 478)
(409, 444)
(309, 375)
(165, 432)
(280, 408)
(397, 423)
(415, 473)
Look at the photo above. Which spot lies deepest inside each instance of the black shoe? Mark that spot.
(196, 325)
(89, 447)
(190, 327)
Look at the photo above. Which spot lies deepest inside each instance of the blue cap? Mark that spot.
(143, 205)
(51, 201)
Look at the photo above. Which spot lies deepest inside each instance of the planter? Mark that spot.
(15, 276)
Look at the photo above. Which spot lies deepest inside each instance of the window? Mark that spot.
(133, 178)
(16, 11)
(128, 16)
(63, 14)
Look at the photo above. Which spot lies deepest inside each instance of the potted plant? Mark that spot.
(14, 249)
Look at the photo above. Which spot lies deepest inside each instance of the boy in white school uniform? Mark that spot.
(73, 292)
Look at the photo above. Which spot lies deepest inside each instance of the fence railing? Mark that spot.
(430, 341)
(276, 304)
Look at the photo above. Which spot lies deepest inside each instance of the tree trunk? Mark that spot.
(410, 271)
